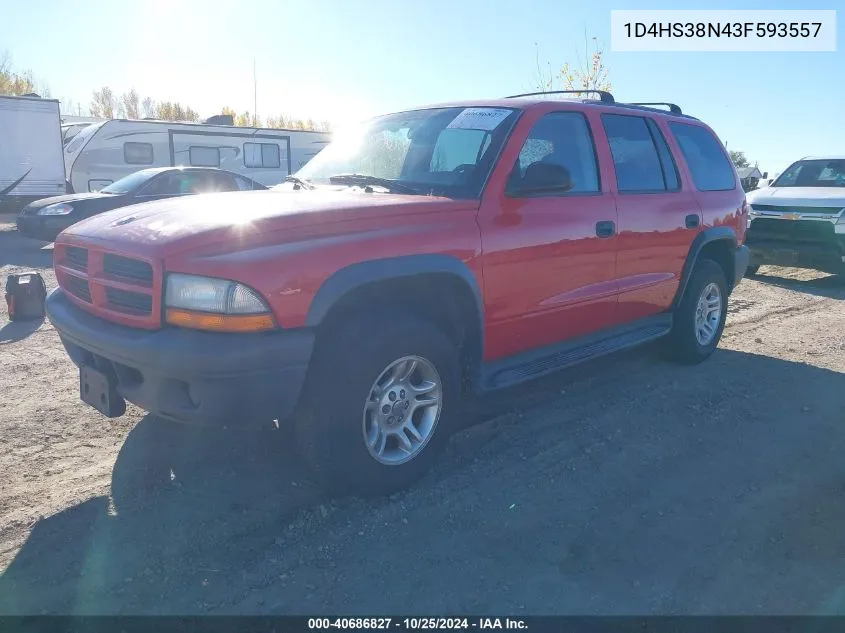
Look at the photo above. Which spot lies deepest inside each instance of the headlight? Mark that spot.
(55, 209)
(208, 303)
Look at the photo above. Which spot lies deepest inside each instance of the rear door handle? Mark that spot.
(606, 228)
(692, 221)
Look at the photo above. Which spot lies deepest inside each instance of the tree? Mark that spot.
(149, 107)
(131, 104)
(739, 159)
(103, 103)
(245, 119)
(590, 73)
(17, 83)
(171, 111)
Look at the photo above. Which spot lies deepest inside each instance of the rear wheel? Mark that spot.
(379, 403)
(700, 317)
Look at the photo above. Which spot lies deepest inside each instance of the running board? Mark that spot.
(537, 363)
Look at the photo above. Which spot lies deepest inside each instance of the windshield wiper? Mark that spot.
(299, 182)
(363, 180)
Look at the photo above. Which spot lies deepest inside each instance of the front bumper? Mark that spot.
(43, 227)
(827, 256)
(186, 375)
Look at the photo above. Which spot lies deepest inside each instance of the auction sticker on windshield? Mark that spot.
(479, 119)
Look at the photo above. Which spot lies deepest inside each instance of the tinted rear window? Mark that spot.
(711, 170)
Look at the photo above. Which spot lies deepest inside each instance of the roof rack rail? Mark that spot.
(604, 96)
(674, 109)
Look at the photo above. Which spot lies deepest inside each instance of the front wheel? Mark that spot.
(700, 317)
(379, 403)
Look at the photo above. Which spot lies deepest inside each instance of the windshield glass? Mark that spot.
(444, 151)
(130, 182)
(813, 173)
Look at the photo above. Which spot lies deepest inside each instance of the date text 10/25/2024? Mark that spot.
(414, 624)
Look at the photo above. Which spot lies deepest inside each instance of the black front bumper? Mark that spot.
(43, 227)
(799, 243)
(187, 375)
(828, 256)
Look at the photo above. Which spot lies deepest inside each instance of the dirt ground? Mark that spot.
(627, 486)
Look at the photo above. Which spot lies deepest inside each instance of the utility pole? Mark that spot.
(254, 95)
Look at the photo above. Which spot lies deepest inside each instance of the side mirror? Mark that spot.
(543, 178)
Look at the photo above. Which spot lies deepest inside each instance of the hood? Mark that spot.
(799, 196)
(32, 207)
(175, 225)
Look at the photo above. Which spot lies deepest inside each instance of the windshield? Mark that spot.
(813, 173)
(130, 182)
(444, 151)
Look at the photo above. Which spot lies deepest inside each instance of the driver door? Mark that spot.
(549, 256)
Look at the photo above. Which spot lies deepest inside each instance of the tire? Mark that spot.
(684, 342)
(331, 424)
(751, 271)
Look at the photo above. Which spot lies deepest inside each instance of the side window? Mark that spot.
(138, 153)
(223, 182)
(559, 146)
(194, 182)
(710, 168)
(634, 153)
(244, 184)
(262, 155)
(163, 185)
(667, 162)
(458, 146)
(201, 156)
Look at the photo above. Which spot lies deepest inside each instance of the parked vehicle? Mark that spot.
(434, 254)
(31, 165)
(799, 220)
(46, 218)
(105, 152)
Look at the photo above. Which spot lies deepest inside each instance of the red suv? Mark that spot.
(421, 258)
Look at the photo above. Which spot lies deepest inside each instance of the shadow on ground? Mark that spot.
(17, 250)
(725, 485)
(14, 331)
(831, 286)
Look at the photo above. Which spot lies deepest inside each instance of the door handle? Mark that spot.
(606, 228)
(692, 221)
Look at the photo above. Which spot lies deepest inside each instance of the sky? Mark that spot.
(343, 61)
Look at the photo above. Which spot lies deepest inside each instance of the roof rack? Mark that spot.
(604, 96)
(674, 109)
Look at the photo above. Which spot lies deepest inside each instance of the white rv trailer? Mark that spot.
(72, 125)
(31, 164)
(105, 152)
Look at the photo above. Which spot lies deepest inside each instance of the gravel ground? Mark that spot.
(629, 486)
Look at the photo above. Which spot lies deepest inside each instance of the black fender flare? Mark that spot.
(705, 237)
(357, 275)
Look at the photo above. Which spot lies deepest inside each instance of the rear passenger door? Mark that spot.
(658, 218)
(717, 188)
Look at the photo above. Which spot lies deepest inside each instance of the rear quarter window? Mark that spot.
(709, 165)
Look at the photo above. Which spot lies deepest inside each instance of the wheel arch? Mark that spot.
(717, 243)
(441, 287)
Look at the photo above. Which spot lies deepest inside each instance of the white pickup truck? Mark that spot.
(799, 220)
